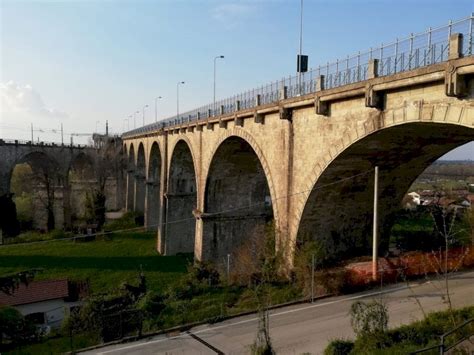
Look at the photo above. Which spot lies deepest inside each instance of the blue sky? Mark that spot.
(82, 62)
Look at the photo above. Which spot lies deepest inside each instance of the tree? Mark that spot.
(370, 323)
(10, 283)
(46, 178)
(14, 326)
(260, 261)
(108, 163)
(8, 218)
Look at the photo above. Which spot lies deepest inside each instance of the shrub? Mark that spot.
(127, 221)
(339, 347)
(332, 280)
(369, 318)
(15, 327)
(199, 278)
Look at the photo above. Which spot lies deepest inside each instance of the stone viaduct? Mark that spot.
(304, 161)
(57, 161)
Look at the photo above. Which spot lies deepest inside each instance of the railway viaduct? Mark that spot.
(57, 161)
(302, 156)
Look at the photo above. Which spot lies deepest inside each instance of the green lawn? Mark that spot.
(106, 263)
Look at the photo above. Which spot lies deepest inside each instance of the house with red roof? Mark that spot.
(43, 302)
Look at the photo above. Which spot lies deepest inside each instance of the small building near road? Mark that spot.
(44, 303)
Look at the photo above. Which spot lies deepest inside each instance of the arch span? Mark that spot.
(181, 200)
(237, 199)
(338, 211)
(140, 180)
(47, 181)
(130, 198)
(152, 210)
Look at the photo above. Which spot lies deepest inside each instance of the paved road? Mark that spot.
(305, 328)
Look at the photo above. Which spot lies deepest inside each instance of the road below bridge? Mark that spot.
(305, 328)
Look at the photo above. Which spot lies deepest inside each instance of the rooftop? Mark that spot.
(36, 291)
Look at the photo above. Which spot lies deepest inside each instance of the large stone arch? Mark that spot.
(338, 206)
(247, 137)
(130, 195)
(181, 199)
(237, 199)
(140, 179)
(152, 202)
(49, 178)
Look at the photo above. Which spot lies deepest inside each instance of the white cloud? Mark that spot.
(19, 102)
(231, 14)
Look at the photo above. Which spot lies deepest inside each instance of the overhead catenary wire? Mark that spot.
(250, 206)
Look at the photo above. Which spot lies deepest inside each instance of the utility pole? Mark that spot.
(107, 127)
(144, 107)
(375, 237)
(62, 134)
(214, 97)
(312, 279)
(177, 98)
(31, 124)
(156, 108)
(301, 48)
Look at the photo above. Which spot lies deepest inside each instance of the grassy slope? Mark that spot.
(106, 263)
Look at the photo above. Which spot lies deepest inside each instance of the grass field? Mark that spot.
(106, 263)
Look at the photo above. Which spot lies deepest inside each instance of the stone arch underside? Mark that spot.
(48, 180)
(140, 180)
(339, 209)
(181, 200)
(237, 202)
(153, 188)
(130, 178)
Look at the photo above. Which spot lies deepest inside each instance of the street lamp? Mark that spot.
(177, 98)
(156, 114)
(135, 119)
(215, 58)
(144, 107)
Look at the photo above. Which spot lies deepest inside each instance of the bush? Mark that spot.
(369, 318)
(411, 337)
(15, 327)
(127, 221)
(332, 280)
(339, 347)
(200, 277)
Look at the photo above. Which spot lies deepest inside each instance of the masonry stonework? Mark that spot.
(311, 172)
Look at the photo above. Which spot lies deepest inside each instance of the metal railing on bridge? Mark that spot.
(415, 51)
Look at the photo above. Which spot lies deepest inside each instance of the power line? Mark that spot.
(81, 236)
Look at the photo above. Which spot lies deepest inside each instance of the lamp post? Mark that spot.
(135, 119)
(144, 107)
(177, 98)
(156, 114)
(215, 58)
(300, 56)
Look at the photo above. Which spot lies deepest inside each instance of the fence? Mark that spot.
(451, 339)
(415, 51)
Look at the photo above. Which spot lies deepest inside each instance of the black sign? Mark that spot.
(302, 63)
